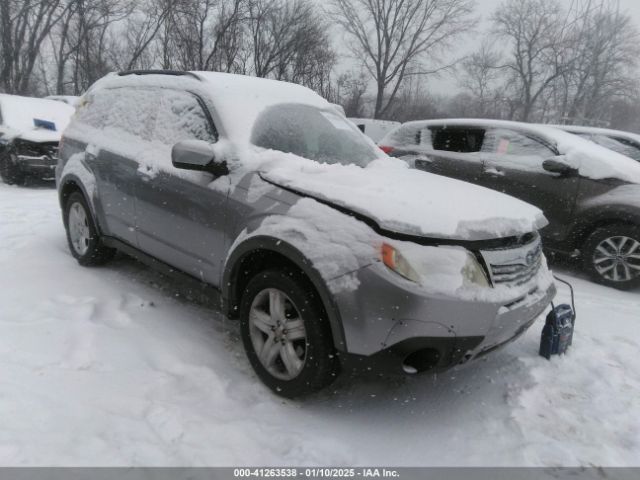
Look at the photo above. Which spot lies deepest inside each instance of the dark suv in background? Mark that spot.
(589, 194)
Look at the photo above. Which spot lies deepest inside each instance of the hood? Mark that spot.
(411, 202)
(28, 118)
(39, 136)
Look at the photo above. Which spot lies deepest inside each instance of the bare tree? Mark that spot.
(397, 39)
(203, 34)
(480, 79)
(605, 45)
(349, 91)
(25, 26)
(140, 29)
(537, 54)
(289, 41)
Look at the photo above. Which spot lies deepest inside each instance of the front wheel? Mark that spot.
(9, 170)
(611, 256)
(286, 334)
(82, 235)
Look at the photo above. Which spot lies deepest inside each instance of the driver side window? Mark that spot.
(180, 117)
(501, 142)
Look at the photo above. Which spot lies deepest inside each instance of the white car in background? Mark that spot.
(626, 143)
(30, 130)
(375, 129)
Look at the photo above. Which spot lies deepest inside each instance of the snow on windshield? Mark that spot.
(311, 133)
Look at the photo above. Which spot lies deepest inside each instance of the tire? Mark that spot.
(301, 359)
(611, 256)
(82, 235)
(9, 171)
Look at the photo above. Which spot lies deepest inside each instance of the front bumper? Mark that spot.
(40, 165)
(392, 326)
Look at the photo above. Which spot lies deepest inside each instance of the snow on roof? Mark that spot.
(237, 99)
(18, 113)
(594, 161)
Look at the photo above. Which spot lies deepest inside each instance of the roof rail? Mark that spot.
(175, 73)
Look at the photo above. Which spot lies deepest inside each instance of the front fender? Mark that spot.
(294, 255)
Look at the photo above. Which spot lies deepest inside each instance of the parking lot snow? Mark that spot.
(113, 366)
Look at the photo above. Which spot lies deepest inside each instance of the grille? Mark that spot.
(514, 266)
(32, 149)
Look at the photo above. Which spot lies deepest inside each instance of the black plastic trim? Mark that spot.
(450, 352)
(206, 293)
(175, 73)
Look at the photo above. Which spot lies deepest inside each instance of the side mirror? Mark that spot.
(197, 155)
(557, 166)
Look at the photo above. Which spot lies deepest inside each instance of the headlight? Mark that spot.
(473, 273)
(445, 268)
(393, 259)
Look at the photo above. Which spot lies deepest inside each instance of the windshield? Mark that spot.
(617, 145)
(321, 135)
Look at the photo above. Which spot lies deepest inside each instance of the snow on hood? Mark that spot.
(407, 201)
(19, 113)
(593, 161)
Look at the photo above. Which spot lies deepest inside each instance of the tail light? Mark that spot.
(386, 149)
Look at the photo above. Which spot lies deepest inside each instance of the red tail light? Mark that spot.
(386, 149)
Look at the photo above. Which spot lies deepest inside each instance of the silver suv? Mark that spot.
(331, 254)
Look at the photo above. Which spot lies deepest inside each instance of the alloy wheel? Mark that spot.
(278, 334)
(618, 259)
(79, 232)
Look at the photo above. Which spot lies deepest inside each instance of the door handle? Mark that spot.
(144, 176)
(494, 172)
(91, 152)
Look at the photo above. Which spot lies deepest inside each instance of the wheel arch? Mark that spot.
(70, 184)
(67, 186)
(262, 252)
(591, 221)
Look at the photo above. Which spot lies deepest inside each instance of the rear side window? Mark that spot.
(501, 141)
(454, 139)
(131, 111)
(404, 137)
(181, 116)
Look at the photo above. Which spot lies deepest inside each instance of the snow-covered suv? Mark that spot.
(329, 252)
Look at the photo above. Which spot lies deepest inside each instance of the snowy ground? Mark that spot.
(111, 366)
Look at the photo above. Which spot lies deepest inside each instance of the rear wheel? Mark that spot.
(611, 256)
(286, 334)
(82, 235)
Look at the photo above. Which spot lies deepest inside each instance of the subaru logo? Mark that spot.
(531, 257)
